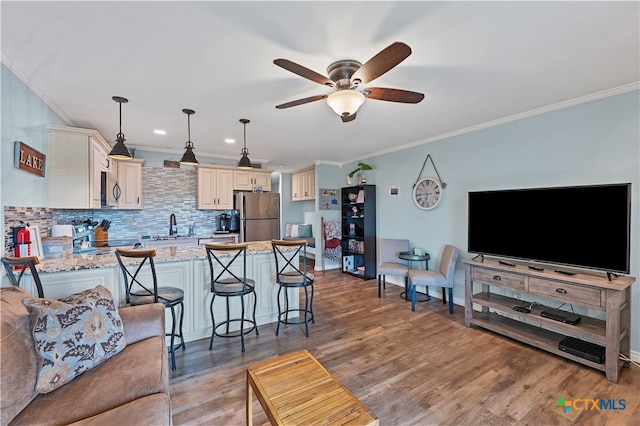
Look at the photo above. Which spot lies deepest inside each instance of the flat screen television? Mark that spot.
(582, 226)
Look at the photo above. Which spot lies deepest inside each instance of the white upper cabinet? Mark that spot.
(74, 165)
(248, 180)
(214, 188)
(303, 184)
(130, 183)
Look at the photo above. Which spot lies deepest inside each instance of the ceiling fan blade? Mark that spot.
(348, 118)
(301, 101)
(382, 62)
(394, 95)
(303, 72)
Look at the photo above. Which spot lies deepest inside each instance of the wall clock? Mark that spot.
(427, 193)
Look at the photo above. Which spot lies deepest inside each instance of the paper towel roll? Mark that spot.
(62, 231)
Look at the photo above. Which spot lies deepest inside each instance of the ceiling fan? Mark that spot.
(346, 76)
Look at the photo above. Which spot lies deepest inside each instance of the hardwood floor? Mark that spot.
(409, 368)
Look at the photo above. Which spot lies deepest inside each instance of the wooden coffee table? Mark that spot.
(295, 389)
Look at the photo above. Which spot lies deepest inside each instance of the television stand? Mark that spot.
(560, 271)
(594, 292)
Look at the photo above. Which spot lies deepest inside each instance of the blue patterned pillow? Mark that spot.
(73, 335)
(304, 231)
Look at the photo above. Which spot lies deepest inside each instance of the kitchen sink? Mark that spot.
(168, 240)
(165, 237)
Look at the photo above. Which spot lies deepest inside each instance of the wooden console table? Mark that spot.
(590, 291)
(295, 389)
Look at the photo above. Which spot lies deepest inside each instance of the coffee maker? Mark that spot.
(223, 222)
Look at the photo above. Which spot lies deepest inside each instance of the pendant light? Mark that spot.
(244, 162)
(120, 151)
(189, 157)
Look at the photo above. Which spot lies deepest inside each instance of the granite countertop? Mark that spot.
(106, 258)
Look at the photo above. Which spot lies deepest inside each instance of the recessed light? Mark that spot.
(160, 132)
(229, 140)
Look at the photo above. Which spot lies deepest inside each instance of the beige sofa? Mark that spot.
(132, 387)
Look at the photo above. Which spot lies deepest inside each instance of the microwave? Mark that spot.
(109, 191)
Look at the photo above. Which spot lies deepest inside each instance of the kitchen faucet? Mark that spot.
(172, 223)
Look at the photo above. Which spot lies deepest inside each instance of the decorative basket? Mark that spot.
(172, 163)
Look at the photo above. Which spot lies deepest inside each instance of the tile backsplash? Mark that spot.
(165, 191)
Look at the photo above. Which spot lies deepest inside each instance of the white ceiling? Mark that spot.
(476, 62)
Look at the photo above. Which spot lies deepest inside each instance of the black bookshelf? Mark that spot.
(358, 211)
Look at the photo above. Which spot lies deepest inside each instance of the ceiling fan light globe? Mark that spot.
(345, 102)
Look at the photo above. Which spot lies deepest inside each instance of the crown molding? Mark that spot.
(35, 89)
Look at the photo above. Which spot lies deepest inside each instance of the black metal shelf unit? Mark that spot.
(359, 231)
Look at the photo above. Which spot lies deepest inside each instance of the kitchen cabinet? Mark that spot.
(76, 159)
(185, 267)
(61, 284)
(248, 180)
(130, 183)
(303, 184)
(219, 239)
(214, 187)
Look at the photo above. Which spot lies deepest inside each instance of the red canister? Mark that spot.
(23, 242)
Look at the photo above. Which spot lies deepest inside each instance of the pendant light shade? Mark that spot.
(119, 150)
(244, 162)
(189, 157)
(345, 102)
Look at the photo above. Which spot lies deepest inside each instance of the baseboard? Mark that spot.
(318, 267)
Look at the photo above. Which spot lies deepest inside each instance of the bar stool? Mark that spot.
(290, 275)
(141, 288)
(230, 283)
(22, 263)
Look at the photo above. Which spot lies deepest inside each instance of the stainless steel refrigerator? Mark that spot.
(259, 215)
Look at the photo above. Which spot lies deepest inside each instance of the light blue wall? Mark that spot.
(24, 118)
(291, 211)
(592, 143)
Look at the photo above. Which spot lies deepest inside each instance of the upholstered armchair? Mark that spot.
(443, 277)
(391, 264)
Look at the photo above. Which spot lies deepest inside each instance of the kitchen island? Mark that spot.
(182, 266)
